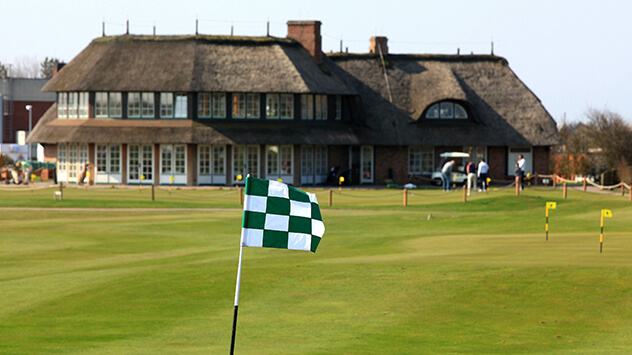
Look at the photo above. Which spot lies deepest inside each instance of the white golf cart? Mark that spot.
(458, 171)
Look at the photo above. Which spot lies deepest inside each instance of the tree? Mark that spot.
(47, 67)
(612, 137)
(4, 72)
(25, 67)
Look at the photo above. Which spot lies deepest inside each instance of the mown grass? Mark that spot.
(438, 276)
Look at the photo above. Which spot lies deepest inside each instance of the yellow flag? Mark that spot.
(551, 205)
(606, 213)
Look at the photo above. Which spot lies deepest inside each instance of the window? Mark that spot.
(279, 161)
(219, 105)
(147, 102)
(211, 105)
(272, 106)
(166, 105)
(253, 104)
(172, 161)
(307, 107)
(420, 160)
(101, 104)
(83, 104)
(115, 104)
(181, 105)
(245, 161)
(140, 105)
(320, 107)
(62, 105)
(446, 110)
(239, 105)
(108, 164)
(338, 107)
(211, 164)
(61, 157)
(287, 106)
(313, 164)
(133, 105)
(140, 163)
(73, 97)
(366, 164)
(204, 105)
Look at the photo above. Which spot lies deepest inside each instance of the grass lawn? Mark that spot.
(439, 276)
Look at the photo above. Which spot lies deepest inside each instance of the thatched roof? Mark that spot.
(505, 111)
(196, 64)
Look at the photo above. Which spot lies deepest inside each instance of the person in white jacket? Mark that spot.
(483, 174)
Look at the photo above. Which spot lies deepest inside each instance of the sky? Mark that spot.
(574, 55)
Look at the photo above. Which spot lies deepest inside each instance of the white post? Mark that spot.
(232, 341)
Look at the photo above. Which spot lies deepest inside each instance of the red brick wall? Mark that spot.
(497, 160)
(19, 121)
(307, 33)
(50, 153)
(541, 157)
(391, 158)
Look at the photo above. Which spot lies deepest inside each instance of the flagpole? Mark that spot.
(232, 341)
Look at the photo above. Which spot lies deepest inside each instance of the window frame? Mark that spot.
(446, 111)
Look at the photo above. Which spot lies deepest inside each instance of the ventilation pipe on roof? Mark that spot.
(307, 33)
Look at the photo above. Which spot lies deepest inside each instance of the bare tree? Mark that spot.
(25, 67)
(47, 67)
(612, 137)
(4, 72)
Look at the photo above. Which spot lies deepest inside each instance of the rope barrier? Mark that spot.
(389, 195)
(199, 196)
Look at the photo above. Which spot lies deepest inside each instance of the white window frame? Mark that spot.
(73, 103)
(418, 162)
(215, 159)
(320, 107)
(314, 160)
(247, 166)
(108, 166)
(366, 156)
(307, 107)
(62, 162)
(62, 105)
(83, 104)
(282, 165)
(175, 166)
(143, 168)
(101, 105)
(286, 106)
(273, 106)
(115, 104)
(253, 106)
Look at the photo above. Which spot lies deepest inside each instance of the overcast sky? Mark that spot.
(574, 55)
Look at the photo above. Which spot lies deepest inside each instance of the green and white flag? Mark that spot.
(279, 216)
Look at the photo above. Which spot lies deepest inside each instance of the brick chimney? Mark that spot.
(58, 67)
(378, 42)
(307, 33)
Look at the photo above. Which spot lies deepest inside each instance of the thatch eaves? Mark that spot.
(197, 64)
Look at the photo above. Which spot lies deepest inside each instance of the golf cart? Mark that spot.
(458, 171)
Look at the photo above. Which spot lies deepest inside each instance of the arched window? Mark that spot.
(446, 110)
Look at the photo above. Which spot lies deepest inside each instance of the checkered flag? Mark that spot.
(279, 216)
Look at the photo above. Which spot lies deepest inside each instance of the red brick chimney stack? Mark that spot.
(307, 33)
(378, 42)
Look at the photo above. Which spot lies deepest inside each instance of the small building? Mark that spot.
(208, 110)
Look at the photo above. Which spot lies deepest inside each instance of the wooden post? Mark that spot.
(622, 190)
(564, 190)
(331, 197)
(584, 184)
(464, 194)
(405, 197)
(61, 191)
(517, 187)
(554, 181)
(241, 196)
(630, 192)
(152, 192)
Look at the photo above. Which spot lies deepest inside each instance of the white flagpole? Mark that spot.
(232, 341)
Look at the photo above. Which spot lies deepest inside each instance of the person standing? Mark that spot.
(471, 178)
(446, 171)
(483, 174)
(521, 165)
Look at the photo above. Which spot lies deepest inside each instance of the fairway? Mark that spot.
(109, 271)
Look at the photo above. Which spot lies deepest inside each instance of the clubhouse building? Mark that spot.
(208, 110)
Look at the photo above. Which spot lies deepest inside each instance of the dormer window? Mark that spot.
(447, 110)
